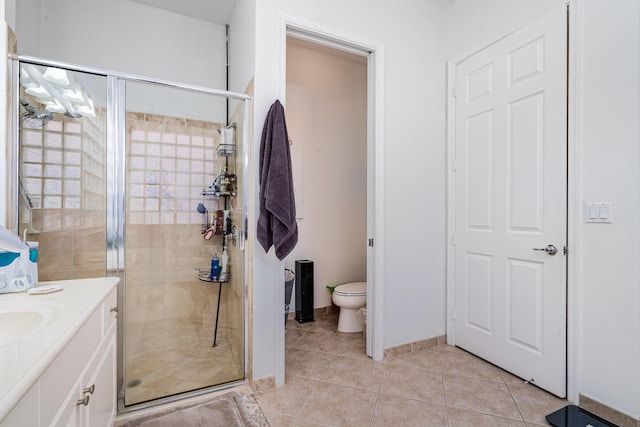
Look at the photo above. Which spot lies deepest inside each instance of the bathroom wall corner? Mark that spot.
(260, 385)
(607, 412)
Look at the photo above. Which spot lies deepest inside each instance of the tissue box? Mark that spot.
(19, 270)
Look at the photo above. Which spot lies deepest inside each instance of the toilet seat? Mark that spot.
(355, 289)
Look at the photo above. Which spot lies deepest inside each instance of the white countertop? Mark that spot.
(23, 361)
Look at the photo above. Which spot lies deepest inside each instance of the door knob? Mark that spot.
(550, 249)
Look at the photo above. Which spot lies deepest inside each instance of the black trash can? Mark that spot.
(289, 279)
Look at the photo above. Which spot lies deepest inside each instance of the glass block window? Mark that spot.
(63, 164)
(168, 168)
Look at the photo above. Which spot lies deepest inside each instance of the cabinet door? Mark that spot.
(70, 418)
(101, 410)
(26, 412)
(70, 412)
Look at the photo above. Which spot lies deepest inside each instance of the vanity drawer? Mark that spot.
(59, 379)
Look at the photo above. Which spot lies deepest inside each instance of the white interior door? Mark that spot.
(510, 201)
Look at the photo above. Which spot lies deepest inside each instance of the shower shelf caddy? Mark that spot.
(203, 274)
(215, 190)
(226, 150)
(228, 187)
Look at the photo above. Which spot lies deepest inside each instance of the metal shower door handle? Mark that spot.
(550, 249)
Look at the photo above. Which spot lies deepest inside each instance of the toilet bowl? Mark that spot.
(350, 297)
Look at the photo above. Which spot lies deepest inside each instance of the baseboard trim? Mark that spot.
(415, 346)
(318, 311)
(260, 385)
(608, 413)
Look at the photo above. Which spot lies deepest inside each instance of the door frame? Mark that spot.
(373, 50)
(573, 200)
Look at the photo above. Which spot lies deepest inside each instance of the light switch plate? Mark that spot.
(601, 212)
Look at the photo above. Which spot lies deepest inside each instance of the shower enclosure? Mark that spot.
(143, 179)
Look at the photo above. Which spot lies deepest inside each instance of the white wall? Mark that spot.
(327, 122)
(607, 279)
(9, 12)
(5, 164)
(133, 38)
(609, 142)
(412, 34)
(242, 45)
(27, 27)
(472, 23)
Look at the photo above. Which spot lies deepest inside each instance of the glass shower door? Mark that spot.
(62, 140)
(184, 327)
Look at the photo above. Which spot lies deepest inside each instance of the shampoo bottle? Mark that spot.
(224, 261)
(215, 267)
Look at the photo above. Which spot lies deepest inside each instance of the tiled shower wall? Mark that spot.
(64, 173)
(170, 161)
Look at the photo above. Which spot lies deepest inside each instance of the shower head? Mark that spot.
(33, 117)
(36, 118)
(27, 106)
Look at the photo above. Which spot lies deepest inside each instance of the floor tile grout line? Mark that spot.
(500, 379)
(315, 387)
(375, 403)
(485, 413)
(444, 389)
(516, 403)
(513, 398)
(307, 397)
(492, 414)
(469, 377)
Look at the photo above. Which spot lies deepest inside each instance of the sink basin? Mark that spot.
(20, 319)
(17, 324)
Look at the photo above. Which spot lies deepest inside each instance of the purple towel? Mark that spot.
(277, 221)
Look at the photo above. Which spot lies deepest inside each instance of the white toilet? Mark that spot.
(350, 297)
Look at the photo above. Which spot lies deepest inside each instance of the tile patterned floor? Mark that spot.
(170, 357)
(331, 382)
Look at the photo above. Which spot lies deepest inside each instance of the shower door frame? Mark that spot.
(116, 195)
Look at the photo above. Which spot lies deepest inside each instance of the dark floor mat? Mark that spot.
(574, 416)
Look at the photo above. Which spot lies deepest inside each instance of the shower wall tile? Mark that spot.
(71, 219)
(179, 258)
(54, 259)
(179, 300)
(90, 238)
(145, 303)
(184, 235)
(52, 220)
(89, 259)
(55, 240)
(47, 275)
(145, 266)
(145, 236)
(86, 273)
(184, 275)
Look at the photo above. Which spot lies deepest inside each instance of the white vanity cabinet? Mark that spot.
(92, 399)
(78, 387)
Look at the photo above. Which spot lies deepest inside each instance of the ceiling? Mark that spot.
(216, 11)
